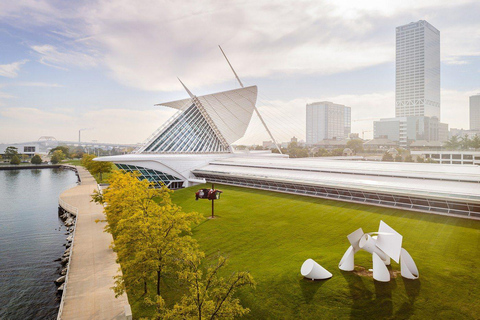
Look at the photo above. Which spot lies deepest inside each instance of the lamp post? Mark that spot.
(213, 203)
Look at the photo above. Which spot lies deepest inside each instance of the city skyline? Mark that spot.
(66, 68)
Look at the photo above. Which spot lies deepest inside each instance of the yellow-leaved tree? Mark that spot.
(151, 234)
(209, 296)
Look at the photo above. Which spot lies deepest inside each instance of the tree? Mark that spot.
(475, 142)
(398, 158)
(322, 152)
(387, 157)
(100, 167)
(77, 153)
(465, 142)
(356, 145)
(36, 159)
(408, 158)
(57, 156)
(151, 233)
(420, 159)
(96, 167)
(65, 150)
(15, 160)
(87, 161)
(336, 152)
(453, 143)
(209, 295)
(10, 152)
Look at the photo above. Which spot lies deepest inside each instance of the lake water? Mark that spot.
(32, 237)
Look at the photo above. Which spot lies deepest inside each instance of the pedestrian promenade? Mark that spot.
(92, 264)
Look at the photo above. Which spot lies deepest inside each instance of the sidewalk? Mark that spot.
(92, 264)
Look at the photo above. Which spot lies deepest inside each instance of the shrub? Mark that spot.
(15, 160)
(36, 159)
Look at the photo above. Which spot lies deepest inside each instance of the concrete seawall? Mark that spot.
(88, 293)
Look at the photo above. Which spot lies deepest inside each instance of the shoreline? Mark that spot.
(68, 214)
(92, 264)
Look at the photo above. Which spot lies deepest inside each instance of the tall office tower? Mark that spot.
(417, 91)
(327, 120)
(475, 112)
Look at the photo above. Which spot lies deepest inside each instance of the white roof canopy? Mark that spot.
(231, 110)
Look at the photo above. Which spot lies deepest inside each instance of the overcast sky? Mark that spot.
(67, 65)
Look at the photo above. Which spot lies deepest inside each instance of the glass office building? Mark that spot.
(417, 70)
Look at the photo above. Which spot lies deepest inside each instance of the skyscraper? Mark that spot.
(327, 120)
(417, 91)
(475, 112)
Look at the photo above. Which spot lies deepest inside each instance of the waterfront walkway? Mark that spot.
(92, 264)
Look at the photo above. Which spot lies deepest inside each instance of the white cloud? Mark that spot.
(11, 70)
(37, 84)
(146, 44)
(53, 57)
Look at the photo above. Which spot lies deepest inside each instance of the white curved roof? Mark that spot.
(230, 111)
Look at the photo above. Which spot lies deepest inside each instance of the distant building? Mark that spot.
(269, 145)
(404, 130)
(393, 129)
(331, 144)
(381, 143)
(475, 112)
(442, 132)
(417, 87)
(417, 75)
(426, 145)
(463, 133)
(327, 120)
(451, 157)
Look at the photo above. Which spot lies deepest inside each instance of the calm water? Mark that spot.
(31, 238)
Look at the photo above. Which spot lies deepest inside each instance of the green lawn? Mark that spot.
(272, 234)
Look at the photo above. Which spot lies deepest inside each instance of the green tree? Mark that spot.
(465, 142)
(387, 157)
(65, 150)
(10, 152)
(356, 145)
(15, 160)
(36, 159)
(337, 152)
(398, 158)
(100, 167)
(87, 161)
(475, 143)
(57, 156)
(453, 143)
(408, 158)
(420, 159)
(209, 296)
(322, 152)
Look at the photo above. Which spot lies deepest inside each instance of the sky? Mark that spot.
(102, 65)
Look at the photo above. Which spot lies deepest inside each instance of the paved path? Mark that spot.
(92, 265)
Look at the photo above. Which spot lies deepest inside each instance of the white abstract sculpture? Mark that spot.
(312, 270)
(383, 245)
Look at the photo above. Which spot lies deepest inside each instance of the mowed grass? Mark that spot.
(271, 234)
